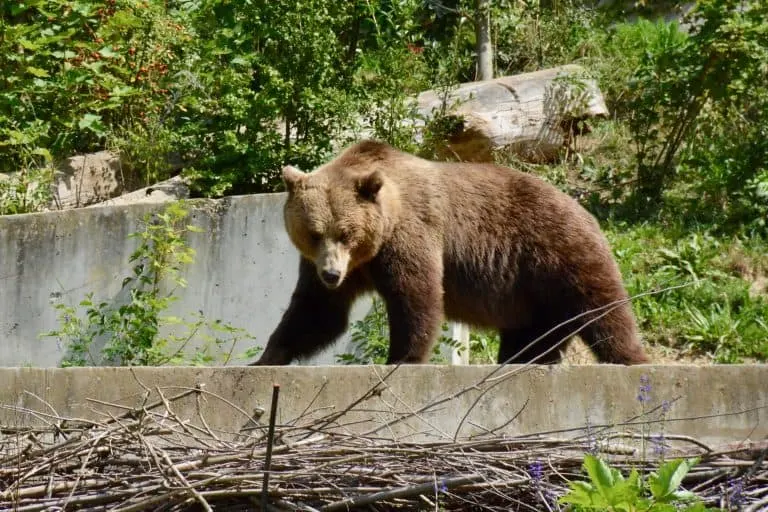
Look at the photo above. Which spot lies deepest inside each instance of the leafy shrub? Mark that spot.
(609, 490)
(74, 70)
(699, 111)
(370, 338)
(26, 191)
(532, 35)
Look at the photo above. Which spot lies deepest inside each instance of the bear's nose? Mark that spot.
(331, 277)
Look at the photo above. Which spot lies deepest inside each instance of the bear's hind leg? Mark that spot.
(614, 339)
(548, 350)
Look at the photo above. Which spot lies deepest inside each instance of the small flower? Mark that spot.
(536, 470)
(665, 406)
(735, 488)
(645, 389)
(440, 487)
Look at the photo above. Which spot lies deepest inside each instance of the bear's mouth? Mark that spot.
(330, 278)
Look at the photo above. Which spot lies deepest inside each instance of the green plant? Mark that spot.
(73, 71)
(607, 489)
(718, 313)
(26, 191)
(483, 347)
(130, 331)
(698, 108)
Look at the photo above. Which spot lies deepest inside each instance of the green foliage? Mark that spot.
(716, 313)
(533, 36)
(607, 489)
(130, 331)
(73, 71)
(483, 347)
(699, 108)
(236, 89)
(26, 191)
(629, 49)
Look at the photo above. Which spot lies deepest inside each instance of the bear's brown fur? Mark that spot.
(475, 243)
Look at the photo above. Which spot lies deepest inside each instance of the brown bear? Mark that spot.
(475, 243)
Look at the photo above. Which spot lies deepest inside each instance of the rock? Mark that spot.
(91, 178)
(169, 190)
(532, 115)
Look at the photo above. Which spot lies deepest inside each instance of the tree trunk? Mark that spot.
(483, 36)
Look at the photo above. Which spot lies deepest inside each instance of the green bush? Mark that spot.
(699, 110)
(74, 71)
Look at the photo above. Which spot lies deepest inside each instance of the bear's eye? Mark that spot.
(315, 236)
(344, 237)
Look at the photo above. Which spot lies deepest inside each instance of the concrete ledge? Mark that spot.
(715, 404)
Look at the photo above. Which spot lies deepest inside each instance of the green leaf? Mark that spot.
(66, 54)
(684, 495)
(29, 45)
(44, 153)
(582, 493)
(669, 477)
(93, 123)
(600, 474)
(107, 52)
(663, 507)
(122, 90)
(37, 72)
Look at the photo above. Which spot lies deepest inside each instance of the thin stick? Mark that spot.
(402, 492)
(270, 440)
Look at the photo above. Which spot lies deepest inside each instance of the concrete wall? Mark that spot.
(244, 272)
(714, 404)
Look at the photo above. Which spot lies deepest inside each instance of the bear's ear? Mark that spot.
(292, 177)
(368, 186)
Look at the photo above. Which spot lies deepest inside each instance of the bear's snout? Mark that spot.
(331, 277)
(332, 263)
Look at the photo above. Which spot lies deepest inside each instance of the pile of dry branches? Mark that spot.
(148, 458)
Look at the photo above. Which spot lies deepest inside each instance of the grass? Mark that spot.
(721, 314)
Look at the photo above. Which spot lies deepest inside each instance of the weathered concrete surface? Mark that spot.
(715, 404)
(244, 272)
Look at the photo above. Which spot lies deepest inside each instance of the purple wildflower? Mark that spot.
(536, 470)
(591, 440)
(645, 389)
(735, 489)
(665, 406)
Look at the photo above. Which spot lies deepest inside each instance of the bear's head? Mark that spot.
(338, 217)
